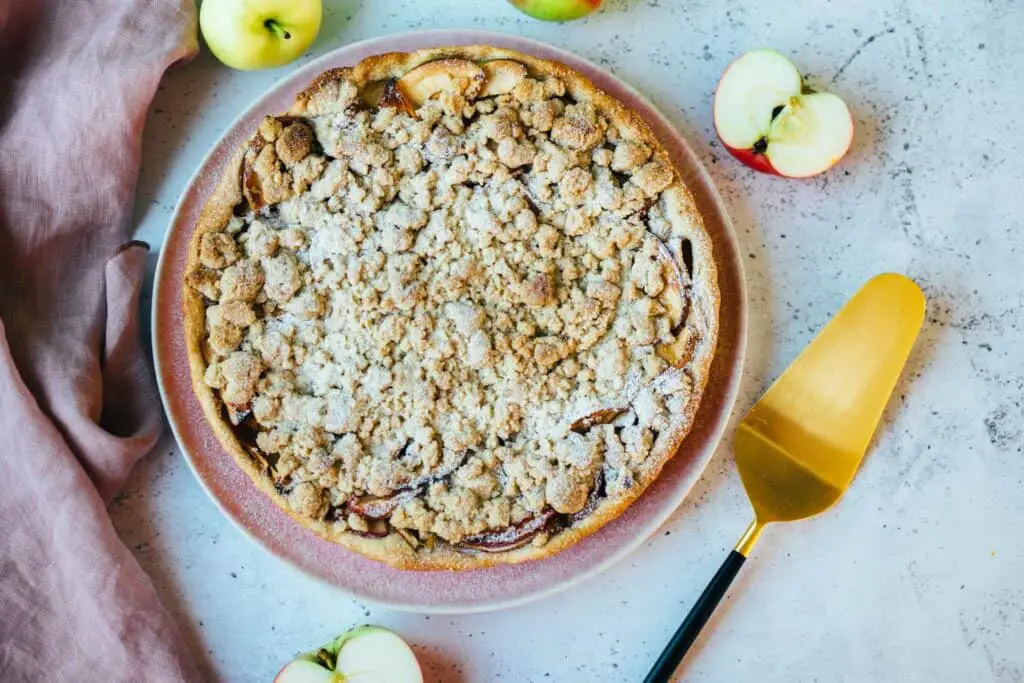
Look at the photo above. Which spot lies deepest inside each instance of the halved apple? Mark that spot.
(368, 654)
(441, 75)
(768, 119)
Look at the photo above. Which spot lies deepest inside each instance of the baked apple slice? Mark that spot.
(601, 416)
(673, 298)
(511, 537)
(375, 528)
(372, 507)
(597, 492)
(502, 75)
(393, 97)
(386, 94)
(678, 351)
(442, 75)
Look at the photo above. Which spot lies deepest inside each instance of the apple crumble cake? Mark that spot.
(456, 307)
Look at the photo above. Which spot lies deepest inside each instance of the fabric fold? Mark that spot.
(127, 420)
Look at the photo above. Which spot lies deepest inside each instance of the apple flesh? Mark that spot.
(557, 10)
(259, 34)
(368, 654)
(768, 119)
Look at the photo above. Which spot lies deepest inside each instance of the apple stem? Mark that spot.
(277, 29)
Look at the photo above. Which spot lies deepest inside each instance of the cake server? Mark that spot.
(799, 447)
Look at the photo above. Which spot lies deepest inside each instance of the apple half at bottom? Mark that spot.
(767, 119)
(368, 654)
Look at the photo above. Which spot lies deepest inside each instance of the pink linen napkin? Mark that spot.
(77, 405)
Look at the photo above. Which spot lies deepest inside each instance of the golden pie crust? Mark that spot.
(257, 272)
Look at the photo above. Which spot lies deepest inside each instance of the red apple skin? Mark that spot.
(748, 157)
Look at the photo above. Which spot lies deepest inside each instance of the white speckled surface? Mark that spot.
(918, 575)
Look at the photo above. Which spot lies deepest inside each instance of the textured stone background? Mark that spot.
(918, 575)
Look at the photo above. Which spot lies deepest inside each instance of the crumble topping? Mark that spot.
(460, 316)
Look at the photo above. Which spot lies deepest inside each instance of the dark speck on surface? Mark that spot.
(1002, 432)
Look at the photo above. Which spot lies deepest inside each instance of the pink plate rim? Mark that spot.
(441, 592)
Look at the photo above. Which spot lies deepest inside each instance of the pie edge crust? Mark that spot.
(393, 549)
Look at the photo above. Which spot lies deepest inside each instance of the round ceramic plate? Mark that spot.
(470, 591)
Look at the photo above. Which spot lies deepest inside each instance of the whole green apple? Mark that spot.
(557, 10)
(259, 34)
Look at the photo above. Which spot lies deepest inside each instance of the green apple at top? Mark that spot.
(557, 10)
(259, 34)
